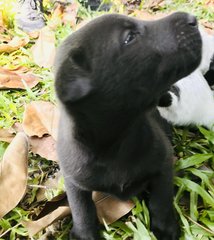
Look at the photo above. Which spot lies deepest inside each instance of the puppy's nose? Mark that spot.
(192, 21)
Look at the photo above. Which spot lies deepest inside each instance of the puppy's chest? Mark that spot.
(114, 179)
(127, 188)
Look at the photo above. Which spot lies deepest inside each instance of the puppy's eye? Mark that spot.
(130, 37)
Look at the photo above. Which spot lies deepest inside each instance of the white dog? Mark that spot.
(191, 100)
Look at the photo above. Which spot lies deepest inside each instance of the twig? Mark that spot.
(206, 229)
(8, 230)
(37, 186)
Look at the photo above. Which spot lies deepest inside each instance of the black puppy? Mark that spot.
(109, 77)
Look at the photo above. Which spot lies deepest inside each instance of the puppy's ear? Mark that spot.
(72, 80)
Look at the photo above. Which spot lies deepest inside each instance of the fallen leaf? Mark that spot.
(41, 118)
(144, 15)
(45, 147)
(65, 13)
(209, 3)
(4, 38)
(17, 127)
(109, 209)
(44, 49)
(1, 19)
(33, 34)
(69, 15)
(58, 10)
(34, 227)
(10, 79)
(154, 4)
(19, 69)
(56, 16)
(13, 173)
(14, 44)
(208, 26)
(6, 135)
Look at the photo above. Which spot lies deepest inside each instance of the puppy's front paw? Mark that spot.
(78, 234)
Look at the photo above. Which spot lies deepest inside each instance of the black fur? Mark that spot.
(209, 76)
(166, 99)
(109, 78)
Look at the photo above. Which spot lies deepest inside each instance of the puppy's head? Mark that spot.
(119, 57)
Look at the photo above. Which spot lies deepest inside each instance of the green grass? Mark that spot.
(194, 181)
(198, 8)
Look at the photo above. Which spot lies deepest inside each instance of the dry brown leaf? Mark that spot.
(10, 79)
(109, 209)
(14, 44)
(34, 227)
(6, 135)
(45, 147)
(209, 3)
(17, 127)
(56, 16)
(144, 15)
(41, 118)
(58, 10)
(19, 69)
(4, 37)
(34, 34)
(13, 173)
(154, 4)
(65, 13)
(130, 5)
(44, 49)
(1, 19)
(208, 26)
(70, 14)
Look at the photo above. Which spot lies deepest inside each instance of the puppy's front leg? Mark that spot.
(85, 223)
(163, 219)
